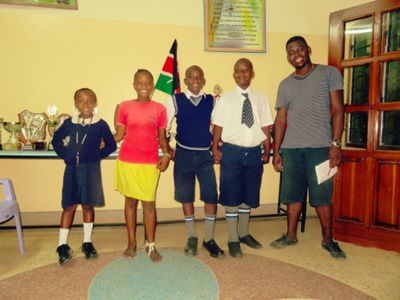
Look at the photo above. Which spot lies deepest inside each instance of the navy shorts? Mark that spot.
(240, 178)
(299, 174)
(82, 185)
(189, 165)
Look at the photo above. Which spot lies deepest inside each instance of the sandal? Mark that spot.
(152, 252)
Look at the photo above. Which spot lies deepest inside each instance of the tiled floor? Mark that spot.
(373, 271)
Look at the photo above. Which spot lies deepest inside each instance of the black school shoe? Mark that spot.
(191, 246)
(64, 253)
(250, 241)
(213, 248)
(89, 250)
(234, 249)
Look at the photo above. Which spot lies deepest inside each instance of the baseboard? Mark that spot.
(116, 217)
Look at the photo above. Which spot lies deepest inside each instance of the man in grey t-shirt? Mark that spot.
(308, 129)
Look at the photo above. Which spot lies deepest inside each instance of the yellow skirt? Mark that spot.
(137, 181)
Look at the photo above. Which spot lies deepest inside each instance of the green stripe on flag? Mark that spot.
(165, 84)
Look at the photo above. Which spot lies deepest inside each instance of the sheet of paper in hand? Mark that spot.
(324, 172)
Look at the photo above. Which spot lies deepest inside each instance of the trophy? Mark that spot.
(13, 143)
(217, 91)
(33, 131)
(52, 123)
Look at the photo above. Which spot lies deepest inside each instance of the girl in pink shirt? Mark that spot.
(141, 124)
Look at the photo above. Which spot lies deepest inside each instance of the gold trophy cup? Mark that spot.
(52, 124)
(13, 143)
(54, 121)
(217, 91)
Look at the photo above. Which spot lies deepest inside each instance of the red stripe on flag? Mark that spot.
(169, 65)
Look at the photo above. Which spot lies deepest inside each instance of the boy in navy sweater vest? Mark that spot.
(193, 159)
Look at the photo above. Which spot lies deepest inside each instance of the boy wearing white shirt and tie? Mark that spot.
(242, 121)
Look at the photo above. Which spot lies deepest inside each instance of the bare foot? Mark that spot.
(130, 251)
(153, 254)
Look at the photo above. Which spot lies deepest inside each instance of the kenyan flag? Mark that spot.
(168, 81)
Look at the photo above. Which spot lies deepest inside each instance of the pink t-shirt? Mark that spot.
(142, 121)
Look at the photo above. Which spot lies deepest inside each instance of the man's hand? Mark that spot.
(335, 156)
(277, 162)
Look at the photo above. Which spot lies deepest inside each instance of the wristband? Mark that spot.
(167, 155)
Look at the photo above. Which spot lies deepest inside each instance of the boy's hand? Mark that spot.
(265, 157)
(172, 153)
(217, 154)
(163, 163)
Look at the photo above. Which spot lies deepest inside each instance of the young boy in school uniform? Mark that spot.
(242, 121)
(193, 159)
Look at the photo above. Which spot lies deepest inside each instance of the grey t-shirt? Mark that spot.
(308, 103)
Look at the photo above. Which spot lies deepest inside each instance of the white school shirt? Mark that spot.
(227, 114)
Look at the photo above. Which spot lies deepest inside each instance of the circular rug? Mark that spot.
(250, 277)
(176, 277)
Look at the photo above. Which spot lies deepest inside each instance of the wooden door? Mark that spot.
(364, 44)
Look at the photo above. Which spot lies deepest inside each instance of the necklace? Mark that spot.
(79, 145)
(306, 73)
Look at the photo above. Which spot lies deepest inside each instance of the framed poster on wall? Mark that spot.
(65, 4)
(234, 25)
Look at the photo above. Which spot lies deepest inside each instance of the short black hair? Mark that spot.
(85, 90)
(296, 38)
(244, 60)
(143, 71)
(193, 67)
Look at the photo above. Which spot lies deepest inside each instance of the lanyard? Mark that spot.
(79, 145)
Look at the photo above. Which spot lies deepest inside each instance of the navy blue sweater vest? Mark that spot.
(193, 122)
